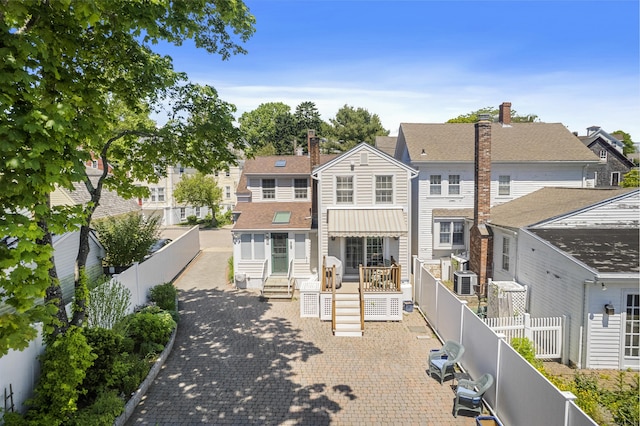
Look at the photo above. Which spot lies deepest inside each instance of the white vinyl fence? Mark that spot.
(545, 333)
(19, 370)
(520, 394)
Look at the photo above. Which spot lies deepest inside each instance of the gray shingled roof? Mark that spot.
(111, 204)
(605, 250)
(387, 144)
(547, 203)
(543, 204)
(519, 142)
(259, 215)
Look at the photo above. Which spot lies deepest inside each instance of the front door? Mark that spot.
(354, 255)
(279, 253)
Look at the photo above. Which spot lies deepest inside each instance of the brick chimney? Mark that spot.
(505, 113)
(313, 146)
(481, 250)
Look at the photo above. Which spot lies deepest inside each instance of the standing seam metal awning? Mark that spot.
(366, 223)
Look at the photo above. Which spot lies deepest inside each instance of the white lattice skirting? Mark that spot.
(377, 307)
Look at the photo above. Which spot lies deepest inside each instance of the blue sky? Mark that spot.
(573, 62)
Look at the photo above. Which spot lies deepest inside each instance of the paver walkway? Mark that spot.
(237, 360)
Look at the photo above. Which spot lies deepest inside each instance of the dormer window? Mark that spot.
(268, 189)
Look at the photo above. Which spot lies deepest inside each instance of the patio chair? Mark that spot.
(442, 361)
(469, 394)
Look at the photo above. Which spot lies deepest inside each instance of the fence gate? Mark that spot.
(545, 333)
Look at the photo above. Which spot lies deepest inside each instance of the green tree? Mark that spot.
(73, 73)
(270, 123)
(354, 125)
(199, 190)
(307, 117)
(472, 117)
(631, 179)
(629, 146)
(127, 238)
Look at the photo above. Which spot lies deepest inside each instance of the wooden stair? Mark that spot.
(277, 288)
(347, 315)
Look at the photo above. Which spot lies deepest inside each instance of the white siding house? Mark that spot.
(273, 232)
(576, 250)
(364, 210)
(524, 158)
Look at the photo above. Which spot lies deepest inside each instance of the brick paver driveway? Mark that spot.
(237, 360)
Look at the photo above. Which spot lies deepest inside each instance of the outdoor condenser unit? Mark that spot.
(463, 282)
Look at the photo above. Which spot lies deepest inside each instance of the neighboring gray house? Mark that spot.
(613, 163)
(577, 251)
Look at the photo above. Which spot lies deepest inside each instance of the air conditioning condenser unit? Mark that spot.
(463, 282)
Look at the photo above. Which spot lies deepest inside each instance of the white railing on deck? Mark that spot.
(263, 276)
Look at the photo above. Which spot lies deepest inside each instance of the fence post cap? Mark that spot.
(568, 395)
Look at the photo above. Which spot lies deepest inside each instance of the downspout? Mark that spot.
(585, 319)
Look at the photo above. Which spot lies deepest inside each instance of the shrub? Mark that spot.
(129, 370)
(103, 412)
(230, 273)
(525, 347)
(64, 365)
(150, 329)
(192, 219)
(164, 295)
(127, 238)
(108, 304)
(107, 346)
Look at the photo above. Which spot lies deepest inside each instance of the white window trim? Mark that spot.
(353, 189)
(436, 234)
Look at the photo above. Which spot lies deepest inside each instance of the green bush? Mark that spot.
(108, 304)
(64, 365)
(230, 273)
(103, 412)
(150, 330)
(525, 347)
(107, 346)
(192, 220)
(164, 295)
(129, 370)
(127, 238)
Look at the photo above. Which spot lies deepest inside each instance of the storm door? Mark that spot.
(279, 253)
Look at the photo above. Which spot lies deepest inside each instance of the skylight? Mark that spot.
(281, 217)
(281, 163)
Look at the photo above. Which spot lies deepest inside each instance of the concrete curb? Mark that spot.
(135, 399)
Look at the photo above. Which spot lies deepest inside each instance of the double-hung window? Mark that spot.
(435, 185)
(269, 189)
(454, 184)
(384, 189)
(344, 189)
(450, 233)
(505, 253)
(252, 246)
(504, 185)
(300, 189)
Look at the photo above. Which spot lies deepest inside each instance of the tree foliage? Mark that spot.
(199, 190)
(631, 179)
(80, 78)
(127, 238)
(472, 117)
(629, 146)
(354, 125)
(269, 124)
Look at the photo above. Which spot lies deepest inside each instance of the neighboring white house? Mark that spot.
(576, 250)
(524, 158)
(273, 233)
(364, 210)
(162, 202)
